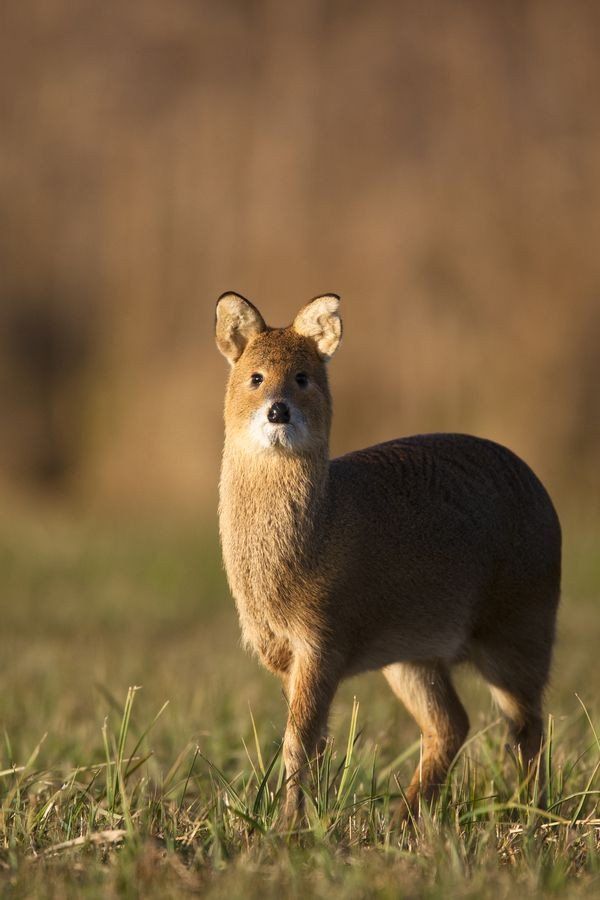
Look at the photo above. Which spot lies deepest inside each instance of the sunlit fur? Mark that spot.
(410, 556)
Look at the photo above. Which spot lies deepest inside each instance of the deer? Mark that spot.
(410, 557)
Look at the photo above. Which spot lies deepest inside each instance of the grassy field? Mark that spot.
(111, 790)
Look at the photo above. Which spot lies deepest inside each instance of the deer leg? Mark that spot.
(428, 694)
(517, 679)
(276, 655)
(312, 685)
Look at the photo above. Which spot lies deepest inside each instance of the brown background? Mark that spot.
(435, 163)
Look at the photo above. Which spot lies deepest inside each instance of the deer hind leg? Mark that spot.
(517, 680)
(428, 694)
(525, 724)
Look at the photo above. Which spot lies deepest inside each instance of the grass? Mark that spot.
(109, 789)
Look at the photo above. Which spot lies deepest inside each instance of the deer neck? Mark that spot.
(271, 513)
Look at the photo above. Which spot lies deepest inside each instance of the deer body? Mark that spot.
(409, 556)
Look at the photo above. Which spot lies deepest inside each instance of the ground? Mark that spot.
(107, 791)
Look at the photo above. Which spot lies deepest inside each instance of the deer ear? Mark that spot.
(320, 321)
(237, 320)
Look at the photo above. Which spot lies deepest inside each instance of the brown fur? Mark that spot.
(410, 556)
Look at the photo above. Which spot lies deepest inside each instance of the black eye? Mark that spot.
(302, 379)
(256, 379)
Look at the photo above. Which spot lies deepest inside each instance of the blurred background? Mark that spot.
(436, 164)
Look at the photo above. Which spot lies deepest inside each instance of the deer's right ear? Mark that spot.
(320, 321)
(237, 320)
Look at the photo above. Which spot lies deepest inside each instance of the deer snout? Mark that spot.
(279, 414)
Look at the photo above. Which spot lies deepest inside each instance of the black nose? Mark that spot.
(279, 414)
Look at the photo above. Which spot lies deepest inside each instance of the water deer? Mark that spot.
(409, 556)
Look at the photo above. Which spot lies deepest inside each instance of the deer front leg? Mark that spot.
(276, 655)
(312, 685)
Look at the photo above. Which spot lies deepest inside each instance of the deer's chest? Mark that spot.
(262, 569)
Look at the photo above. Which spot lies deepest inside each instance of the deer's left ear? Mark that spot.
(320, 321)
(237, 321)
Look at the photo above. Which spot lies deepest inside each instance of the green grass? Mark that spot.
(107, 789)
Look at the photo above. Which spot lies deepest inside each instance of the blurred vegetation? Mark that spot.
(436, 164)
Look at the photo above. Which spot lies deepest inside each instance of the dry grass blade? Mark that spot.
(109, 836)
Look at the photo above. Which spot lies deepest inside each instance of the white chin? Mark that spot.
(284, 436)
(267, 436)
(264, 435)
